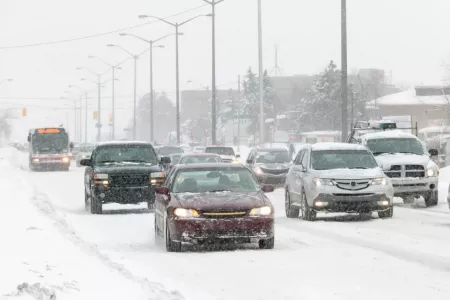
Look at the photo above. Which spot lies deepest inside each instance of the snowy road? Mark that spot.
(407, 257)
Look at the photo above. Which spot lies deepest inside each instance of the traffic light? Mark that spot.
(24, 112)
(95, 115)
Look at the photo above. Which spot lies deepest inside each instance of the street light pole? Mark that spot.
(86, 118)
(344, 93)
(213, 4)
(176, 25)
(261, 77)
(135, 91)
(99, 124)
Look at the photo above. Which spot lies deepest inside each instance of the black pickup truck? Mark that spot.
(122, 172)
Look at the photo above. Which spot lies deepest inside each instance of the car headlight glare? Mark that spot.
(258, 171)
(100, 176)
(323, 182)
(157, 175)
(379, 181)
(65, 159)
(431, 172)
(261, 211)
(185, 213)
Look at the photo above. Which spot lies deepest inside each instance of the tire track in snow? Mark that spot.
(43, 204)
(427, 260)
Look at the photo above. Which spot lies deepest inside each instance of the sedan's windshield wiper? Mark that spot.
(136, 161)
(218, 191)
(109, 162)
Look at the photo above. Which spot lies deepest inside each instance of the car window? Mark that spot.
(298, 159)
(215, 180)
(126, 153)
(169, 178)
(220, 150)
(305, 159)
(342, 159)
(395, 145)
(274, 157)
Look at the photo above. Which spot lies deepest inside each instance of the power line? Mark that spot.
(98, 34)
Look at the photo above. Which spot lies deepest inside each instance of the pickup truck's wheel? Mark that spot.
(267, 244)
(171, 246)
(386, 214)
(431, 198)
(95, 206)
(291, 211)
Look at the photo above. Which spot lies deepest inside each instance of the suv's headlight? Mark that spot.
(323, 182)
(100, 176)
(185, 213)
(261, 211)
(379, 181)
(258, 171)
(431, 172)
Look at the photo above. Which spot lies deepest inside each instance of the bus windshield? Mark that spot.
(50, 143)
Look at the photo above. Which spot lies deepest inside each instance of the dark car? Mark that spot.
(199, 158)
(208, 203)
(122, 172)
(270, 165)
(226, 153)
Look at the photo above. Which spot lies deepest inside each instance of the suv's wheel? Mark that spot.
(291, 211)
(171, 246)
(267, 244)
(307, 213)
(431, 198)
(86, 201)
(96, 206)
(386, 214)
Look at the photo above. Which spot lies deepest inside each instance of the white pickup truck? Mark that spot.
(405, 160)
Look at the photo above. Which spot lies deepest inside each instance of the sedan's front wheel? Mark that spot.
(308, 214)
(171, 246)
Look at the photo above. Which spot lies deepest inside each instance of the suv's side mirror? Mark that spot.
(250, 161)
(165, 160)
(433, 152)
(267, 188)
(385, 167)
(86, 162)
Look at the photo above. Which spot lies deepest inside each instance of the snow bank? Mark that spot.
(42, 258)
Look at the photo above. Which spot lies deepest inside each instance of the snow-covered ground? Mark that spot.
(114, 255)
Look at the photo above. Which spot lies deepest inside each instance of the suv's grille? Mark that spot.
(129, 180)
(352, 185)
(398, 171)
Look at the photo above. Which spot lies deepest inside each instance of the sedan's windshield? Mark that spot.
(163, 151)
(215, 180)
(220, 150)
(125, 154)
(342, 159)
(273, 157)
(395, 145)
(200, 159)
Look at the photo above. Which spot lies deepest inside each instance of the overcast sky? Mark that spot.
(409, 37)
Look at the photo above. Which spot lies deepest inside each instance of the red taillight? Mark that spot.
(171, 166)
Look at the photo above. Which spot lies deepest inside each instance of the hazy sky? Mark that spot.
(408, 37)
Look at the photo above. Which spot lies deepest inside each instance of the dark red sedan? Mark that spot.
(209, 203)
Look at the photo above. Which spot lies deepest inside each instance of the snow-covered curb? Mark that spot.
(42, 258)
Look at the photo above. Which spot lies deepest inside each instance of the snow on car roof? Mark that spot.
(201, 155)
(388, 134)
(336, 146)
(123, 143)
(437, 129)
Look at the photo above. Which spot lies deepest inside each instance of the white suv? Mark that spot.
(405, 160)
(336, 177)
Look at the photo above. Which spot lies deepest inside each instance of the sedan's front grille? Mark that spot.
(275, 171)
(224, 214)
(129, 180)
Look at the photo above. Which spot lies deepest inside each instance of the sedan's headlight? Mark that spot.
(431, 172)
(258, 171)
(157, 175)
(379, 181)
(100, 176)
(185, 213)
(323, 182)
(261, 211)
(65, 159)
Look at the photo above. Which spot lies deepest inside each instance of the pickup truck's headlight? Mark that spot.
(157, 175)
(100, 176)
(323, 182)
(431, 172)
(262, 211)
(379, 181)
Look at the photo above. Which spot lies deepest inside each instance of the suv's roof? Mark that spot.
(210, 165)
(113, 143)
(388, 134)
(272, 149)
(336, 146)
(201, 154)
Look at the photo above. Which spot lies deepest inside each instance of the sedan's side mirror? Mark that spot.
(165, 160)
(249, 161)
(433, 152)
(267, 188)
(162, 190)
(86, 162)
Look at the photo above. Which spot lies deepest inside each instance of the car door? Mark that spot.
(306, 181)
(161, 202)
(88, 174)
(295, 176)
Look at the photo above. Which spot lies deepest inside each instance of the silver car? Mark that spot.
(335, 177)
(84, 152)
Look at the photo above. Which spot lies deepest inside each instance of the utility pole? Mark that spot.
(344, 93)
(86, 118)
(113, 113)
(152, 137)
(99, 124)
(135, 94)
(261, 77)
(239, 115)
(81, 120)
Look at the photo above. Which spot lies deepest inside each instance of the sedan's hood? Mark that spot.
(402, 159)
(350, 173)
(221, 201)
(127, 169)
(274, 166)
